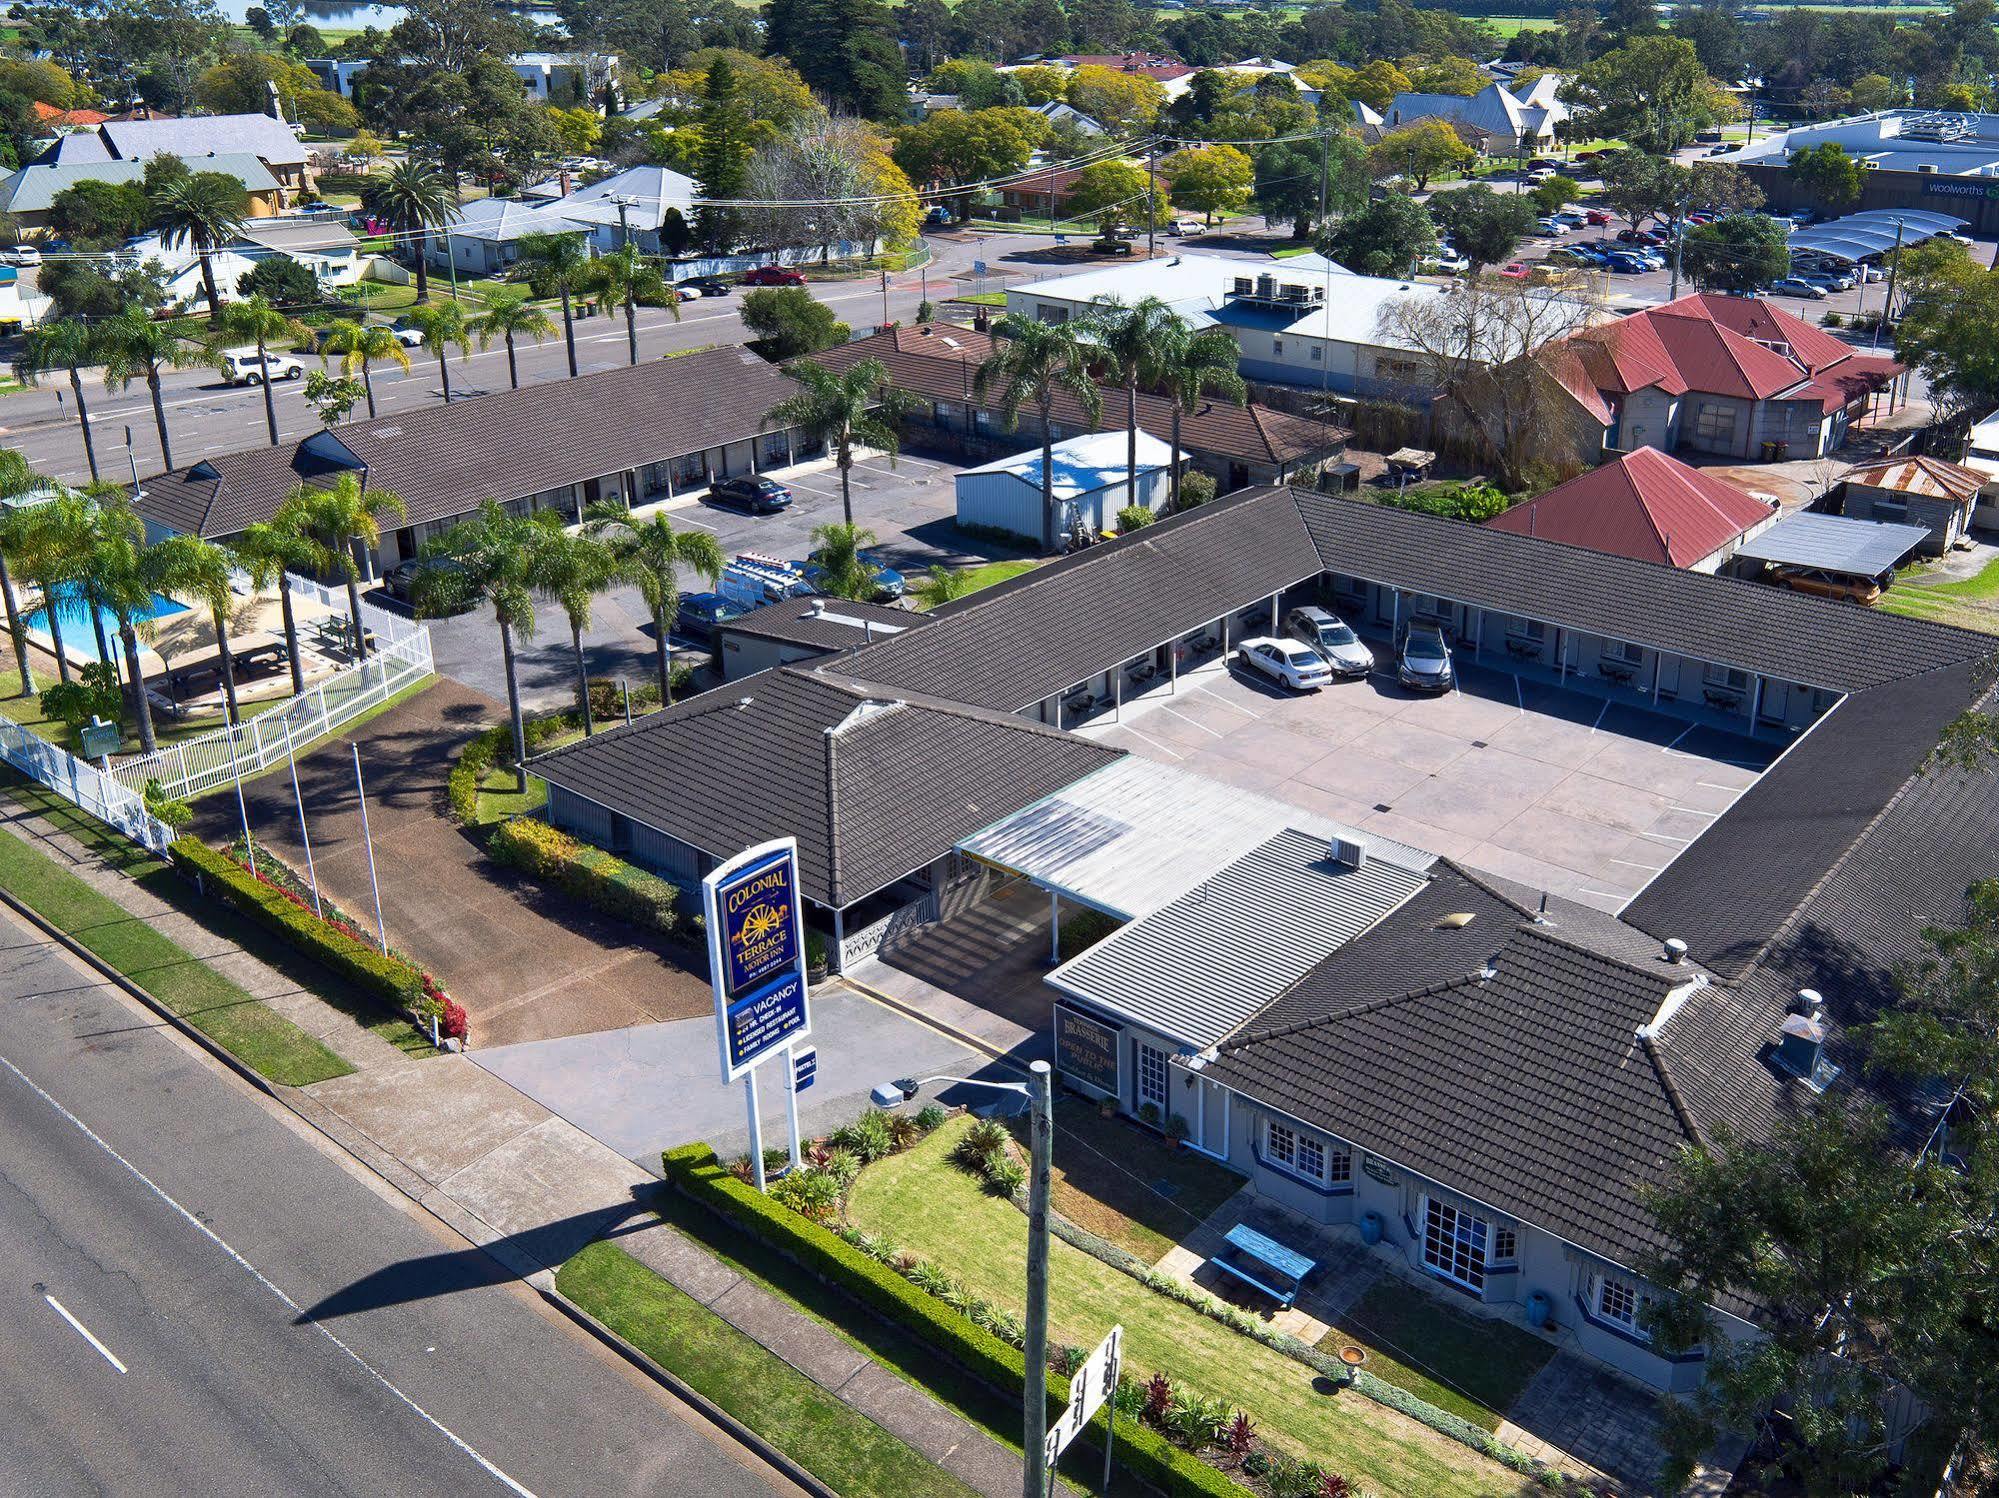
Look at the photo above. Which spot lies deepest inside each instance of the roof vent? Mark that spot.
(1457, 920)
(1675, 951)
(1805, 1001)
(1491, 969)
(1348, 852)
(1801, 1043)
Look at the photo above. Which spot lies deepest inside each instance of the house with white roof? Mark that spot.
(1502, 119)
(1091, 481)
(273, 142)
(483, 237)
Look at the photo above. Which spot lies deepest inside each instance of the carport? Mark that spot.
(1136, 835)
(1835, 547)
(1862, 236)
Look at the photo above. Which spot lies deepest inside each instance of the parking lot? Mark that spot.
(1557, 789)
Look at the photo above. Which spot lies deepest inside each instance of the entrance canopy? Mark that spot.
(1136, 835)
(1835, 543)
(1859, 236)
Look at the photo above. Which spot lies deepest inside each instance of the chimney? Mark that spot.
(1674, 952)
(564, 182)
(1801, 1041)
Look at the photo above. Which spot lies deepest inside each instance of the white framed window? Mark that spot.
(1327, 1162)
(1527, 629)
(1505, 1245)
(1277, 348)
(1618, 1301)
(1053, 316)
(1318, 354)
(1455, 1243)
(1726, 676)
(1624, 651)
(1152, 1077)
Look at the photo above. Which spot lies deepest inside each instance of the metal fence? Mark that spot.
(84, 785)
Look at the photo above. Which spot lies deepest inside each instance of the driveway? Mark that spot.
(526, 963)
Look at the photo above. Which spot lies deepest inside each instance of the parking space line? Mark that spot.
(1605, 894)
(1167, 707)
(1148, 739)
(1599, 715)
(1692, 811)
(1650, 868)
(1668, 748)
(1519, 701)
(1666, 837)
(1715, 785)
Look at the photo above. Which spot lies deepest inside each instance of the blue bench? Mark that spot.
(1268, 1259)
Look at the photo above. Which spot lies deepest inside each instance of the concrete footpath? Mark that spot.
(527, 1186)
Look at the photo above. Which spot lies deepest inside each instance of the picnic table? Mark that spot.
(1259, 1261)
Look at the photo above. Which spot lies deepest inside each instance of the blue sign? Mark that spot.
(1087, 1050)
(804, 1068)
(764, 1020)
(757, 910)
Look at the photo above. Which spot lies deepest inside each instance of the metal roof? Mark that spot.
(1136, 835)
(1835, 543)
(1258, 926)
(1858, 235)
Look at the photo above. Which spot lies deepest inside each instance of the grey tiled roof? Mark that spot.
(1528, 1089)
(444, 460)
(893, 788)
(216, 134)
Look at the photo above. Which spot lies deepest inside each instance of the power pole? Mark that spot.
(631, 307)
(1888, 301)
(1151, 197)
(1679, 238)
(1325, 177)
(1041, 1139)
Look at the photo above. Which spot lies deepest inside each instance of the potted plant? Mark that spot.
(816, 965)
(1177, 1130)
(1148, 1114)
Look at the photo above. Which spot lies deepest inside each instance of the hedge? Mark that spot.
(398, 983)
(532, 847)
(1149, 1456)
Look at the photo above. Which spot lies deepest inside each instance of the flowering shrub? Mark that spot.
(593, 876)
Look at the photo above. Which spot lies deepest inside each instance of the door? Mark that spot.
(1151, 1079)
(1455, 1243)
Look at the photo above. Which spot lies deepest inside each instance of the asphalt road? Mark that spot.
(203, 1298)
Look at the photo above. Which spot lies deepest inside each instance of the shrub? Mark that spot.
(170, 810)
(867, 1136)
(1158, 1397)
(1198, 1421)
(879, 1288)
(475, 760)
(1473, 501)
(1332, 1485)
(1082, 929)
(903, 1131)
(1135, 517)
(930, 1117)
(1006, 1176)
(1176, 1127)
(815, 951)
(1239, 1436)
(1196, 489)
(808, 1192)
(597, 878)
(842, 1166)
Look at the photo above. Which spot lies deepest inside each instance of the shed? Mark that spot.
(1922, 491)
(1090, 485)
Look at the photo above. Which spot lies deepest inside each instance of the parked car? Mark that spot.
(1515, 270)
(773, 275)
(1798, 286)
(241, 366)
(1826, 281)
(1626, 264)
(1332, 637)
(24, 255)
(751, 493)
(1286, 662)
(400, 580)
(1424, 664)
(406, 335)
(1862, 590)
(700, 614)
(703, 286)
(889, 584)
(1640, 236)
(1551, 226)
(1596, 216)
(1446, 262)
(1575, 218)
(1868, 274)
(750, 582)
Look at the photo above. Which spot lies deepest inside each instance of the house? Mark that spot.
(804, 629)
(325, 246)
(1506, 120)
(1173, 75)
(483, 237)
(1647, 505)
(934, 367)
(1734, 376)
(648, 431)
(1056, 112)
(1091, 483)
(27, 192)
(1029, 190)
(1941, 497)
(271, 141)
(564, 78)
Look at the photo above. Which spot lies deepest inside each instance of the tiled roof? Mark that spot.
(936, 361)
(1644, 504)
(270, 140)
(1920, 475)
(1526, 1087)
(873, 782)
(444, 460)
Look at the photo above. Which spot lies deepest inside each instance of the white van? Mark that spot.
(241, 366)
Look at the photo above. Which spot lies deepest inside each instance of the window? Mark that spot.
(1726, 676)
(1307, 1155)
(1454, 1243)
(1623, 650)
(1277, 348)
(1527, 629)
(1715, 424)
(1505, 1245)
(1618, 1301)
(1053, 316)
(1152, 1077)
(1318, 354)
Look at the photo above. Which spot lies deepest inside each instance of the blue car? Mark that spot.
(1628, 265)
(889, 583)
(701, 614)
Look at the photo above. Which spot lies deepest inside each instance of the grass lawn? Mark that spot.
(265, 1041)
(986, 574)
(923, 1203)
(27, 711)
(498, 799)
(982, 298)
(1465, 1364)
(836, 1443)
(1969, 603)
(1130, 1186)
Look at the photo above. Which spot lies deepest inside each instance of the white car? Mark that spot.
(1447, 262)
(409, 337)
(241, 366)
(1286, 662)
(24, 256)
(1798, 287)
(1332, 638)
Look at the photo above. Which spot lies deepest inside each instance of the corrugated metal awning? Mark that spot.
(1835, 543)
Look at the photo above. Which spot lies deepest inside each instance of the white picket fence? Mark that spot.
(401, 658)
(84, 785)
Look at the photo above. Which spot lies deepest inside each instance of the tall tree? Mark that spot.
(204, 211)
(840, 554)
(853, 408)
(509, 315)
(267, 550)
(723, 157)
(1131, 339)
(358, 345)
(68, 344)
(443, 325)
(414, 197)
(1485, 225)
(262, 324)
(200, 577)
(556, 264)
(56, 539)
(1651, 92)
(1743, 252)
(625, 276)
(16, 479)
(649, 554)
(1388, 238)
(1828, 176)
(1188, 365)
(135, 347)
(1029, 364)
(337, 523)
(571, 568)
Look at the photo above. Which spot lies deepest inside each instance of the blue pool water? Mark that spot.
(78, 635)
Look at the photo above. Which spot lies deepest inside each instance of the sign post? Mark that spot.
(756, 954)
(1091, 1387)
(798, 1075)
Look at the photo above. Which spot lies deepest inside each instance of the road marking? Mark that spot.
(1692, 811)
(1167, 707)
(258, 1275)
(1715, 785)
(1603, 894)
(1668, 749)
(84, 1332)
(1144, 738)
(1599, 715)
(1519, 701)
(1650, 868)
(1666, 837)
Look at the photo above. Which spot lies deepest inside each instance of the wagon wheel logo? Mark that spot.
(761, 924)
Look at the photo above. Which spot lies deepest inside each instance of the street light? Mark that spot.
(1041, 1133)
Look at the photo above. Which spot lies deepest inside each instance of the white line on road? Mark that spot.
(1668, 749)
(1666, 837)
(84, 1332)
(1145, 739)
(293, 1306)
(1602, 894)
(1599, 715)
(1519, 702)
(1650, 868)
(1165, 707)
(1716, 785)
(1692, 811)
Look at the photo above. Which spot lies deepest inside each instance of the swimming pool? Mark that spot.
(78, 635)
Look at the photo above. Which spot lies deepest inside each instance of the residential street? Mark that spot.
(205, 1298)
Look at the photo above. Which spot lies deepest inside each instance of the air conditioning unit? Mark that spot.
(1927, 167)
(1349, 852)
(1266, 285)
(1242, 285)
(1292, 291)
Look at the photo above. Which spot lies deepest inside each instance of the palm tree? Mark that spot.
(572, 569)
(414, 197)
(941, 585)
(649, 554)
(125, 574)
(856, 405)
(443, 327)
(624, 275)
(56, 542)
(1131, 340)
(843, 571)
(199, 576)
(134, 347)
(266, 550)
(359, 345)
(204, 211)
(493, 555)
(556, 262)
(334, 523)
(68, 343)
(1188, 365)
(508, 316)
(258, 322)
(1029, 363)
(16, 479)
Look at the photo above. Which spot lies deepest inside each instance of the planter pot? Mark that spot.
(1370, 1228)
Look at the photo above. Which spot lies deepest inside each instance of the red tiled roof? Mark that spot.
(1920, 475)
(48, 114)
(1151, 64)
(1645, 505)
